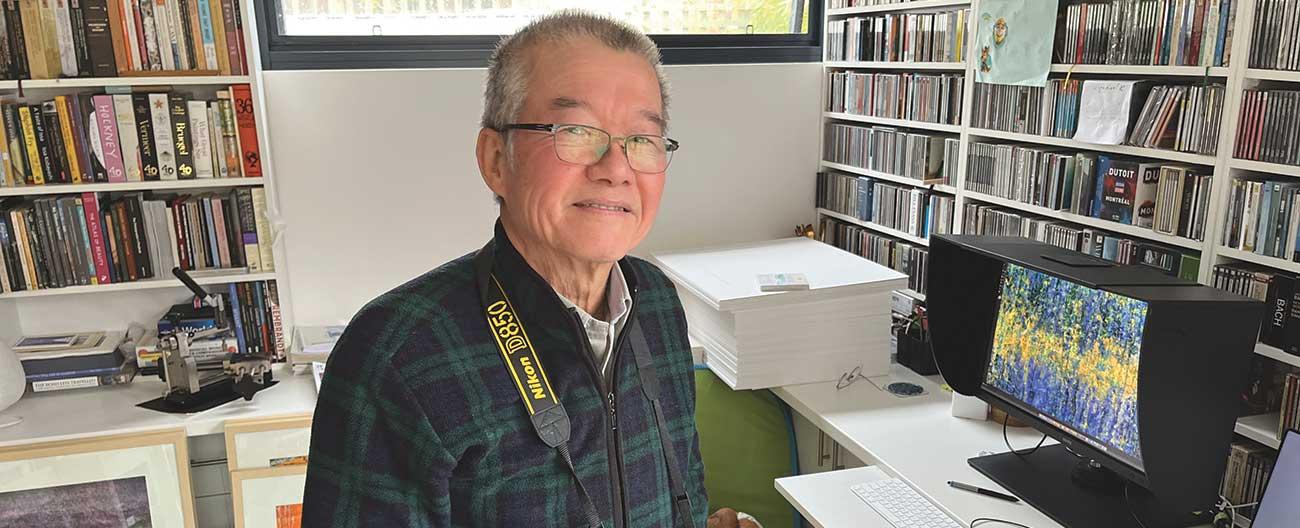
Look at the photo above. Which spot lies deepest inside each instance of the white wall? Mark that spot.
(377, 183)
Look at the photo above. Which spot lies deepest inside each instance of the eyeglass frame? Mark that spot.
(670, 145)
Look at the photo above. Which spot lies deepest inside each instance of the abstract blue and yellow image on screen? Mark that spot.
(1071, 352)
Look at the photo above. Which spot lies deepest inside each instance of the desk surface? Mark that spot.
(826, 499)
(916, 440)
(83, 413)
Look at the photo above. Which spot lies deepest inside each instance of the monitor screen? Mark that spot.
(1068, 354)
(1278, 508)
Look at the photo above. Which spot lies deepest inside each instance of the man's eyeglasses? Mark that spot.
(586, 145)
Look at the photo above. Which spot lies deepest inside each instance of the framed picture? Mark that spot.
(268, 497)
(123, 481)
(268, 442)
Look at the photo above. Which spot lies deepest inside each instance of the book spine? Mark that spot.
(230, 139)
(201, 138)
(79, 37)
(98, 250)
(126, 245)
(129, 138)
(208, 37)
(16, 144)
(86, 257)
(34, 37)
(83, 124)
(220, 235)
(52, 144)
(237, 314)
(135, 219)
(69, 143)
(66, 51)
(164, 143)
(277, 321)
(100, 42)
(247, 223)
(107, 145)
(117, 31)
(149, 33)
(234, 54)
(242, 99)
(32, 148)
(182, 238)
(183, 137)
(44, 147)
(145, 137)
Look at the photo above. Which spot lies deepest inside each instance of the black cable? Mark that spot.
(1131, 511)
(1020, 454)
(983, 520)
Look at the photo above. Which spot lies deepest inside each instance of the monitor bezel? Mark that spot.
(1078, 442)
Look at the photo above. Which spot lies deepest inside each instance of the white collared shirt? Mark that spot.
(601, 333)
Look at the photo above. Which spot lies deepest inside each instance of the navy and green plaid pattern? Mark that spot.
(419, 424)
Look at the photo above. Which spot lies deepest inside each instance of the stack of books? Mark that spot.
(74, 361)
(314, 343)
(754, 339)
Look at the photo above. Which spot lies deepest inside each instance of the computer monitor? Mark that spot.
(1070, 354)
(1279, 507)
(1134, 373)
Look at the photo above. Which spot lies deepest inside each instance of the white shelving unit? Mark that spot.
(103, 82)
(923, 125)
(174, 185)
(875, 65)
(1237, 77)
(114, 306)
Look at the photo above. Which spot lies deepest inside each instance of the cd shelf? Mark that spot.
(1271, 168)
(1126, 150)
(903, 123)
(938, 187)
(894, 233)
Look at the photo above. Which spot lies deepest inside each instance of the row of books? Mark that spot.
(1280, 328)
(134, 137)
(840, 4)
(910, 96)
(1273, 45)
(1169, 199)
(1052, 110)
(1250, 464)
(899, 37)
(1269, 126)
(911, 210)
(1182, 118)
(1147, 32)
(106, 38)
(1264, 218)
(983, 219)
(900, 256)
(98, 238)
(891, 151)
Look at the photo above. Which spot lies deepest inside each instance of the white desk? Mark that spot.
(822, 498)
(916, 440)
(84, 413)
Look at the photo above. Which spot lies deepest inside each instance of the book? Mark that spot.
(182, 137)
(242, 100)
(779, 282)
(1119, 191)
(163, 139)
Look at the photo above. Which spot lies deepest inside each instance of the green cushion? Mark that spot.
(746, 444)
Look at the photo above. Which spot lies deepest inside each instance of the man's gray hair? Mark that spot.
(509, 66)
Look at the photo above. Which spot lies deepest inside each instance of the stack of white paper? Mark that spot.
(758, 340)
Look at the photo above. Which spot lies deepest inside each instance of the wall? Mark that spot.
(377, 181)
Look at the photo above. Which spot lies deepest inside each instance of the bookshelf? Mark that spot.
(114, 305)
(1237, 77)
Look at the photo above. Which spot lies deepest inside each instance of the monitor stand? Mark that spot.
(1074, 493)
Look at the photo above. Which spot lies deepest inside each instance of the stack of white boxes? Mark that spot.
(754, 339)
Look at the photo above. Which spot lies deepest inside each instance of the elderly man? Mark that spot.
(546, 379)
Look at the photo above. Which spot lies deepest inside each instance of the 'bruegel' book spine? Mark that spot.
(182, 138)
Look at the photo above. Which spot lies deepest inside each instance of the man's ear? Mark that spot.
(491, 154)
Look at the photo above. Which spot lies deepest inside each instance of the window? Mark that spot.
(309, 34)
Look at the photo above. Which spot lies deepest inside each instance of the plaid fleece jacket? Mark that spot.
(419, 424)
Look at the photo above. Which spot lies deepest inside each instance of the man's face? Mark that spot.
(591, 213)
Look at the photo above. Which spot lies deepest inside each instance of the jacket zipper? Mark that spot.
(613, 443)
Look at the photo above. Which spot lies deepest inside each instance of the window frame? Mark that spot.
(296, 52)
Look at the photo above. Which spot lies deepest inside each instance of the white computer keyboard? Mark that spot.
(901, 505)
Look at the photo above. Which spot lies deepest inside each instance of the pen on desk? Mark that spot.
(982, 491)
